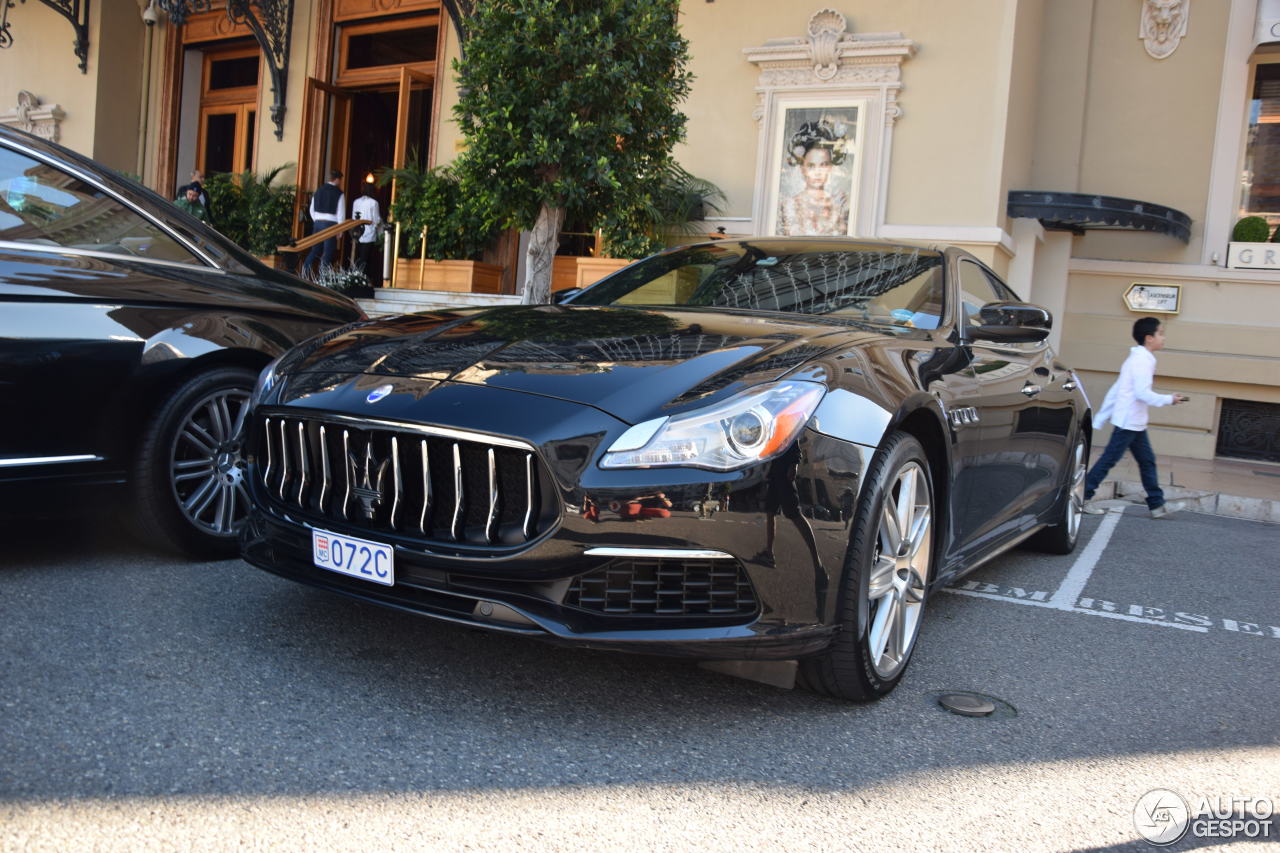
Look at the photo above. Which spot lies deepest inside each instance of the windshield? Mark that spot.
(891, 285)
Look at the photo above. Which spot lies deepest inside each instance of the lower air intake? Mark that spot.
(665, 587)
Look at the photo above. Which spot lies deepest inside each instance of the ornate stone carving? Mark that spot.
(829, 56)
(1164, 23)
(30, 115)
(826, 28)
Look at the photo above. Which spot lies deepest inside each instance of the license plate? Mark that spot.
(358, 558)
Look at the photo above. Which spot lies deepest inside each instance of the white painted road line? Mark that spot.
(1068, 598)
(1049, 605)
(1073, 584)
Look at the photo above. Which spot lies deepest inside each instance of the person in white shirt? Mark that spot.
(328, 208)
(1125, 407)
(366, 208)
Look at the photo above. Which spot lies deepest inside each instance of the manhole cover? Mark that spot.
(967, 703)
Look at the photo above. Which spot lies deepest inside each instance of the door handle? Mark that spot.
(1031, 390)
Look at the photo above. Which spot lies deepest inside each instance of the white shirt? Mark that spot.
(337, 216)
(1127, 400)
(366, 208)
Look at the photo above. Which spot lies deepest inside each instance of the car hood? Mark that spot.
(632, 363)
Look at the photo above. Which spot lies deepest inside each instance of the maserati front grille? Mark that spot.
(433, 484)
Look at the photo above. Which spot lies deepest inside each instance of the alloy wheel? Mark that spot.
(900, 570)
(206, 463)
(1075, 501)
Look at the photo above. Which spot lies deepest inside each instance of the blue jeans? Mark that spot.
(323, 251)
(1137, 443)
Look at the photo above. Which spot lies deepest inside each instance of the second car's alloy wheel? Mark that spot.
(206, 467)
(189, 470)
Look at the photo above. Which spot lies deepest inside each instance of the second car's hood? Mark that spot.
(632, 363)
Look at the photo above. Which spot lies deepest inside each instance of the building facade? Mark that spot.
(1097, 153)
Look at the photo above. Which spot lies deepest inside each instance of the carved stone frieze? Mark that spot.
(30, 115)
(831, 57)
(1163, 24)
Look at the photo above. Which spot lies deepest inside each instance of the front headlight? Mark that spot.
(749, 427)
(266, 381)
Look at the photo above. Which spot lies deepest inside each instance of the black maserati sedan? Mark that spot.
(130, 339)
(756, 450)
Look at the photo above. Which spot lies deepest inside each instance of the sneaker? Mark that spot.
(1093, 507)
(1163, 510)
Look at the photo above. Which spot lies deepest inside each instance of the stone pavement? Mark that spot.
(1237, 488)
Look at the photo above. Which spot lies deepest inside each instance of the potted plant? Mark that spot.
(458, 226)
(1244, 251)
(253, 211)
(348, 279)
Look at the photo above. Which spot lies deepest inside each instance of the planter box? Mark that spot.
(570, 271)
(456, 276)
(1253, 256)
(591, 270)
(275, 262)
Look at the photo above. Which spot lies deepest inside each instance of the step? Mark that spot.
(1210, 503)
(395, 300)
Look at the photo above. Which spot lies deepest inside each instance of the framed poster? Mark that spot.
(814, 162)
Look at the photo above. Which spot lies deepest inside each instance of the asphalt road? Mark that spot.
(147, 703)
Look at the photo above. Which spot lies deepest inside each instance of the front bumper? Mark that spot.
(601, 522)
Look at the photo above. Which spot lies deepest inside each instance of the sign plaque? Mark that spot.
(1148, 298)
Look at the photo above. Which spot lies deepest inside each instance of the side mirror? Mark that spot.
(1012, 322)
(563, 295)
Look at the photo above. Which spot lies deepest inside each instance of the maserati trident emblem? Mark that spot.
(378, 393)
(367, 475)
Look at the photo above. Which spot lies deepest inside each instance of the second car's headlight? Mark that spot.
(748, 427)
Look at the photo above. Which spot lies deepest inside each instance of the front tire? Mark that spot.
(188, 478)
(892, 547)
(1061, 538)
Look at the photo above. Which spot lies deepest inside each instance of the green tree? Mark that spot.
(569, 106)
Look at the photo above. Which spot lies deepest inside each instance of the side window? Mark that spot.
(1005, 291)
(43, 205)
(976, 290)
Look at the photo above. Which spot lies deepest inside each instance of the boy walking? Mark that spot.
(1126, 407)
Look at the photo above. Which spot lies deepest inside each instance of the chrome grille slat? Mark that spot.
(528, 482)
(493, 497)
(414, 497)
(426, 489)
(284, 459)
(266, 472)
(346, 467)
(395, 475)
(302, 461)
(324, 468)
(457, 492)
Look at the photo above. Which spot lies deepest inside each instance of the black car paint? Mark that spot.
(534, 373)
(90, 342)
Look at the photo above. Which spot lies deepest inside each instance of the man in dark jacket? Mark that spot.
(328, 208)
(197, 184)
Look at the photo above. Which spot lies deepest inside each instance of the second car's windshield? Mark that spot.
(893, 285)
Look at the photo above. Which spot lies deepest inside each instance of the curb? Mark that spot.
(1210, 503)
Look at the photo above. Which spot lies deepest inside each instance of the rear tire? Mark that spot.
(189, 492)
(1062, 537)
(892, 547)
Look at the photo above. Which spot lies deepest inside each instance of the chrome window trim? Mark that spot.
(660, 553)
(54, 249)
(93, 181)
(48, 460)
